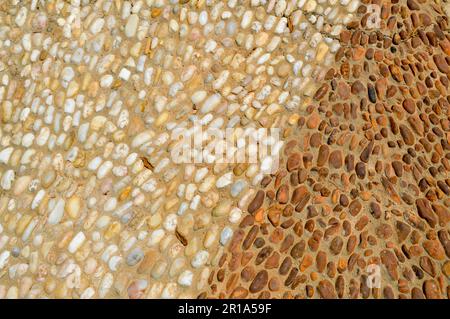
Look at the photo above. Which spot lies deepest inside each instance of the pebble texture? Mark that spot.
(93, 206)
(365, 179)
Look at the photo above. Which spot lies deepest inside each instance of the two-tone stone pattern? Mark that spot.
(365, 181)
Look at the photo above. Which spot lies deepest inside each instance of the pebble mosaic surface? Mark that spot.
(93, 205)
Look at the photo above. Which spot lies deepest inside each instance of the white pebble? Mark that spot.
(76, 242)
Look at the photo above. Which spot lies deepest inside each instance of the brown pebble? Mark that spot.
(259, 282)
(256, 202)
(321, 92)
(434, 249)
(402, 230)
(313, 121)
(367, 152)
(239, 293)
(441, 64)
(425, 211)
(431, 289)
(326, 290)
(298, 250)
(322, 157)
(409, 105)
(343, 90)
(335, 160)
(293, 162)
(412, 5)
(283, 194)
(357, 87)
(390, 262)
(274, 284)
(274, 216)
(396, 72)
(407, 135)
